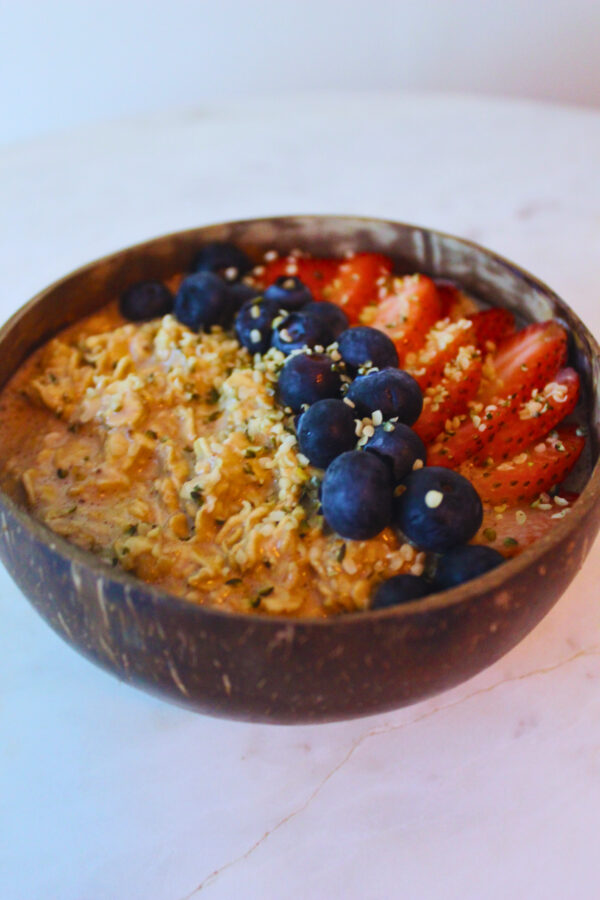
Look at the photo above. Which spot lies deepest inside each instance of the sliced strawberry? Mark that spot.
(358, 282)
(455, 304)
(410, 310)
(470, 439)
(316, 273)
(450, 397)
(524, 361)
(538, 415)
(449, 296)
(492, 325)
(441, 346)
(543, 346)
(509, 529)
(265, 274)
(529, 473)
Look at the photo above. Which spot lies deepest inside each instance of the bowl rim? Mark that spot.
(490, 581)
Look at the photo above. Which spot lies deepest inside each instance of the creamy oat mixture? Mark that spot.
(165, 452)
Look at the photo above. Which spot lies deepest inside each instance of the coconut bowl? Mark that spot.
(287, 670)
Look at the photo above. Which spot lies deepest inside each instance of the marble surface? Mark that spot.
(491, 790)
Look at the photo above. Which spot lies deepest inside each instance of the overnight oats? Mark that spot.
(300, 437)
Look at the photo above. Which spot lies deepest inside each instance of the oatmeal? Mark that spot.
(166, 453)
(304, 437)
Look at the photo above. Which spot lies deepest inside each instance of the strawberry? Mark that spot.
(450, 397)
(317, 274)
(469, 438)
(524, 361)
(449, 296)
(268, 272)
(529, 473)
(441, 346)
(492, 325)
(510, 529)
(454, 304)
(535, 417)
(412, 306)
(358, 282)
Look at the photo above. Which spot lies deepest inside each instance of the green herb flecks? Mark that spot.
(197, 494)
(303, 528)
(263, 592)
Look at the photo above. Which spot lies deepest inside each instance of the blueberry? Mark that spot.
(363, 346)
(398, 446)
(306, 378)
(254, 324)
(288, 292)
(297, 331)
(223, 259)
(438, 509)
(400, 589)
(357, 495)
(464, 563)
(202, 301)
(330, 314)
(145, 300)
(393, 391)
(325, 430)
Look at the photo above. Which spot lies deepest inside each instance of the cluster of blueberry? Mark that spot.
(284, 316)
(385, 482)
(350, 393)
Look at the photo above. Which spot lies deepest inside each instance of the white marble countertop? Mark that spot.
(491, 790)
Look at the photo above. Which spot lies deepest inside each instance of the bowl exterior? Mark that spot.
(276, 670)
(289, 670)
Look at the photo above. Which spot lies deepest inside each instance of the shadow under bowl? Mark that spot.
(287, 670)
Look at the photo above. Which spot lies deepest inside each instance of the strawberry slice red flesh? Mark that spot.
(408, 312)
(358, 281)
(450, 397)
(449, 295)
(314, 272)
(470, 439)
(525, 361)
(535, 417)
(529, 473)
(492, 325)
(442, 343)
(524, 364)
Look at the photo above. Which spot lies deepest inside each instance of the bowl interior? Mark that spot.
(482, 273)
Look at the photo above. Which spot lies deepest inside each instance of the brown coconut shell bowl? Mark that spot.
(286, 670)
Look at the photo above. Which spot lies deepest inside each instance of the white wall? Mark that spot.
(63, 63)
